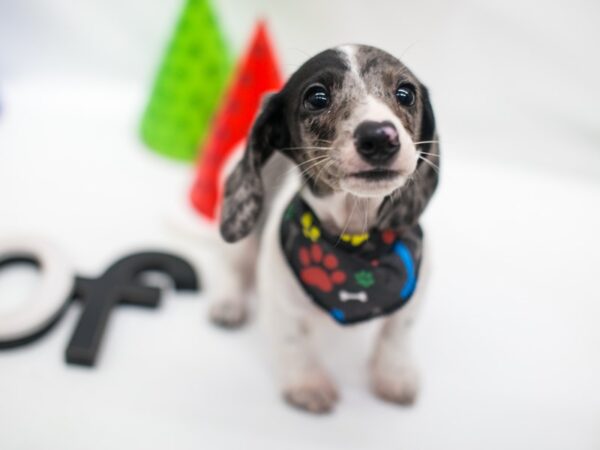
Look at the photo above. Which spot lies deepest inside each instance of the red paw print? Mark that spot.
(388, 236)
(319, 270)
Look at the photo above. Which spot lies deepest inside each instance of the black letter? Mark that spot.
(120, 284)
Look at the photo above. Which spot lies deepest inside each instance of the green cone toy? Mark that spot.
(189, 85)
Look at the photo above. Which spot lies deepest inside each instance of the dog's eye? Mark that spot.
(405, 95)
(316, 98)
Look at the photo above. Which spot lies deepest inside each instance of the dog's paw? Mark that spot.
(228, 313)
(315, 393)
(397, 384)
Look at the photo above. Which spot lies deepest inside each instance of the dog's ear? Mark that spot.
(415, 195)
(427, 131)
(244, 192)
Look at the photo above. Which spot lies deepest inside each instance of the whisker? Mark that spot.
(319, 159)
(426, 142)
(396, 194)
(304, 148)
(309, 168)
(436, 168)
(325, 166)
(299, 50)
(316, 164)
(347, 221)
(309, 176)
(437, 155)
(325, 141)
(408, 48)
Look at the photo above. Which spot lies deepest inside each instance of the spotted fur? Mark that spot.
(362, 82)
(314, 141)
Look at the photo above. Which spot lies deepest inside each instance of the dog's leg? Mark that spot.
(394, 376)
(231, 271)
(304, 382)
(287, 317)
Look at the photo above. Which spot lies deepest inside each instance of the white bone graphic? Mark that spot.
(346, 296)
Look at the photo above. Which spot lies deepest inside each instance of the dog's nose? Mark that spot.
(376, 142)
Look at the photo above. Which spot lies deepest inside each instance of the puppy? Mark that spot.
(340, 233)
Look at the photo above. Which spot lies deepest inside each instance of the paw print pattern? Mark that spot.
(364, 278)
(320, 270)
(310, 230)
(388, 236)
(355, 240)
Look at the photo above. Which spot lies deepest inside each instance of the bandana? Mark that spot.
(354, 277)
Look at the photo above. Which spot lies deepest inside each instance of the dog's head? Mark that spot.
(354, 119)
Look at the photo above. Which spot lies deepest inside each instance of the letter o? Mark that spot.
(39, 312)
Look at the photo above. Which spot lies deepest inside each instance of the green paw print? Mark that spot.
(364, 278)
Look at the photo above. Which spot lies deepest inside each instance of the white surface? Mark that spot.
(508, 341)
(520, 72)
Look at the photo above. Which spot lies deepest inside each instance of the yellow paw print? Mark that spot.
(355, 239)
(311, 231)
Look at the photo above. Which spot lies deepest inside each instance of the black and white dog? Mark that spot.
(359, 129)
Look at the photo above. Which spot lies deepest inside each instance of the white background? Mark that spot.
(508, 342)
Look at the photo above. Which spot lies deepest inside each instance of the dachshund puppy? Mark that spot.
(341, 236)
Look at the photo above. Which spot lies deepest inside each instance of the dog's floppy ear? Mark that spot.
(415, 195)
(244, 192)
(427, 132)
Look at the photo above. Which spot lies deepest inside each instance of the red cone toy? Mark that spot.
(257, 73)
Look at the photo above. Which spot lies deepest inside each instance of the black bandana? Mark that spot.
(354, 277)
